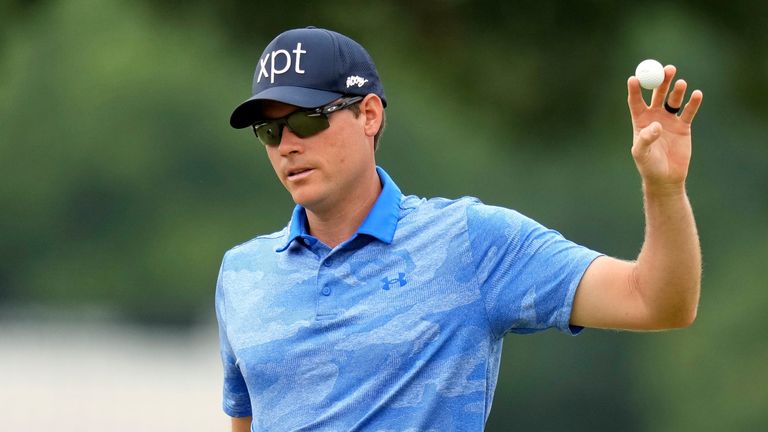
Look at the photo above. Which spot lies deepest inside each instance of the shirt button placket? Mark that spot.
(326, 291)
(326, 307)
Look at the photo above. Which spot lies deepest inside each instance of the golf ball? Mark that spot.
(650, 73)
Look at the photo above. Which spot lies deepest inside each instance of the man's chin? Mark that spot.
(306, 200)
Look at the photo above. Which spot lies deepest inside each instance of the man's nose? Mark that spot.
(289, 142)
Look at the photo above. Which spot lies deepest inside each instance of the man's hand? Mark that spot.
(661, 144)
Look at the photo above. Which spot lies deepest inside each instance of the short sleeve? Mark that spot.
(236, 402)
(527, 274)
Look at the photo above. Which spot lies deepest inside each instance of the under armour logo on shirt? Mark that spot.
(399, 280)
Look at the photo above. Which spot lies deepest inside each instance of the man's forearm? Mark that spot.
(241, 424)
(668, 271)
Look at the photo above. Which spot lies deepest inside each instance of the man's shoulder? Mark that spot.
(466, 206)
(466, 213)
(438, 205)
(260, 244)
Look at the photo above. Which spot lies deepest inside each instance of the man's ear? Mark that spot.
(372, 110)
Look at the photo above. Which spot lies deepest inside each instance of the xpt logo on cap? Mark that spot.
(272, 58)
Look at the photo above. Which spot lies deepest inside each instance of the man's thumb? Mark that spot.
(648, 135)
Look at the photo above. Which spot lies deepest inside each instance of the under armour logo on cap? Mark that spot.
(308, 68)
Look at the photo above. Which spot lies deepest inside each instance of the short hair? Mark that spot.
(355, 108)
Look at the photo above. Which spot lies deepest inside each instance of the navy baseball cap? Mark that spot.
(308, 68)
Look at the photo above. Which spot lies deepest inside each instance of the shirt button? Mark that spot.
(328, 262)
(326, 291)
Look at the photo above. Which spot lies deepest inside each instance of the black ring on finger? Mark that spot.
(670, 109)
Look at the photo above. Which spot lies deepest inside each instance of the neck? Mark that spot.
(336, 224)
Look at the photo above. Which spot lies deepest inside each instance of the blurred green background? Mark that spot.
(123, 184)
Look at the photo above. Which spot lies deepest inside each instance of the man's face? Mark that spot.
(322, 171)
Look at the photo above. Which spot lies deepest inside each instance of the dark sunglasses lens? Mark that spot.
(270, 133)
(305, 124)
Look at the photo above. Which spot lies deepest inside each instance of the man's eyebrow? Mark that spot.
(265, 117)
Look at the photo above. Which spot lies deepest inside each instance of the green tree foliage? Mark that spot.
(122, 183)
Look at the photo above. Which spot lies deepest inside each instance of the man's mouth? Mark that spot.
(299, 173)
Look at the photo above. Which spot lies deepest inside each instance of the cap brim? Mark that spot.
(248, 112)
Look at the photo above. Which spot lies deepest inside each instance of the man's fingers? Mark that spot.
(660, 92)
(677, 95)
(635, 97)
(692, 107)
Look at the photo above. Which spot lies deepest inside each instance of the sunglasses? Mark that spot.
(303, 123)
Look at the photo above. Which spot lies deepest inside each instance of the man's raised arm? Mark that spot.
(661, 289)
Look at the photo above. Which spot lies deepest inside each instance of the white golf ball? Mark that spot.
(650, 73)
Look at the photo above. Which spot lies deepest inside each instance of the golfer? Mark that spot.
(374, 310)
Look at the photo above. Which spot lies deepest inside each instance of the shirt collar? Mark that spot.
(380, 223)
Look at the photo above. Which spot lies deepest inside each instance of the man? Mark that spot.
(377, 311)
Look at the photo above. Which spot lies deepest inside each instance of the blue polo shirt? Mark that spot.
(397, 329)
